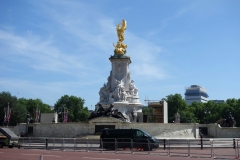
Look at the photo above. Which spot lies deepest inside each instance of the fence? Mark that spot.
(204, 148)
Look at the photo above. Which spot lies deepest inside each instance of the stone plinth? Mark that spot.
(120, 90)
(159, 130)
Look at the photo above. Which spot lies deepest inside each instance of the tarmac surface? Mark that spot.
(176, 154)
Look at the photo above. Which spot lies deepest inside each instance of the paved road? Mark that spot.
(25, 154)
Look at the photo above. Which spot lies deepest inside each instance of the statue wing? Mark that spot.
(124, 24)
(115, 81)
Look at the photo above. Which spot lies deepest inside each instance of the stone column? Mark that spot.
(120, 71)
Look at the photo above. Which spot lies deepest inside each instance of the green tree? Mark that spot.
(233, 106)
(237, 113)
(198, 111)
(175, 104)
(74, 105)
(35, 104)
(18, 110)
(18, 114)
(210, 112)
(188, 115)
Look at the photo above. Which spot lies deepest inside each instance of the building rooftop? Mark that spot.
(196, 90)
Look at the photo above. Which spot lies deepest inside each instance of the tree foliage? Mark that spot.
(209, 112)
(149, 112)
(74, 106)
(35, 104)
(175, 104)
(20, 107)
(6, 99)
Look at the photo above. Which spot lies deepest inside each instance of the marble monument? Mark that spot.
(120, 90)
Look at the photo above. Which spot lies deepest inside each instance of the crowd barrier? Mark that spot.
(204, 148)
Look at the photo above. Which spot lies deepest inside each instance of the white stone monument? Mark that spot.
(120, 90)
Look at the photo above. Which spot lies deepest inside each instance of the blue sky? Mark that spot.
(55, 47)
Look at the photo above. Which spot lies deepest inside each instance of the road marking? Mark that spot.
(44, 155)
(100, 158)
(30, 154)
(50, 155)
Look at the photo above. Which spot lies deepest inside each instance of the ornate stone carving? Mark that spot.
(132, 89)
(104, 93)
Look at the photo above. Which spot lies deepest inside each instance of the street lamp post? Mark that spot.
(207, 112)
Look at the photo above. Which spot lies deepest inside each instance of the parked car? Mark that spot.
(127, 138)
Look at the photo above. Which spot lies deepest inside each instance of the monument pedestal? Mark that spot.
(120, 91)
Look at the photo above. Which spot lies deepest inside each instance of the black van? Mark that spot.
(127, 138)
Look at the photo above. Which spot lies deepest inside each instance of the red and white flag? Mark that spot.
(9, 115)
(5, 117)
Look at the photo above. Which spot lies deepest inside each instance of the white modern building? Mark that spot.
(196, 93)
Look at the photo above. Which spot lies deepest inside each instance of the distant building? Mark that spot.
(218, 101)
(196, 93)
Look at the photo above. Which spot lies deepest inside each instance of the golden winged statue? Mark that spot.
(120, 48)
(120, 30)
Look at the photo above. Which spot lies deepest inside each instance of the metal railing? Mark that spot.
(205, 148)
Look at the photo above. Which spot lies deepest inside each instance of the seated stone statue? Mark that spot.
(133, 89)
(177, 118)
(123, 94)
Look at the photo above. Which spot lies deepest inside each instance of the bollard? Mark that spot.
(164, 144)
(63, 144)
(132, 146)
(29, 142)
(41, 157)
(74, 144)
(149, 146)
(234, 144)
(46, 143)
(87, 145)
(168, 147)
(116, 146)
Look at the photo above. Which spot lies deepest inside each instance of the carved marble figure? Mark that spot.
(103, 93)
(132, 88)
(177, 118)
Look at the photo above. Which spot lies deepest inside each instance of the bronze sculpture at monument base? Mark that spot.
(228, 122)
(107, 112)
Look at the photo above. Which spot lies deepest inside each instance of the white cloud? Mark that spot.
(41, 54)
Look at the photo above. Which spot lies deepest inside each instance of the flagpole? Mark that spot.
(8, 111)
(36, 115)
